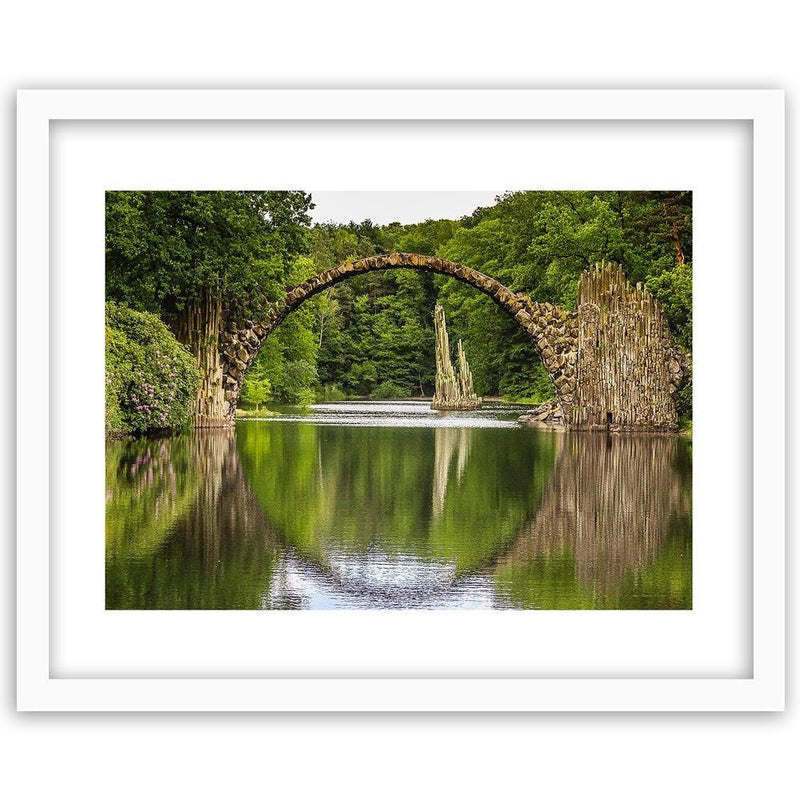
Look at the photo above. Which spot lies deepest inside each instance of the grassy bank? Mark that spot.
(251, 413)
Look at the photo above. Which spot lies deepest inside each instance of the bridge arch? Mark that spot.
(552, 330)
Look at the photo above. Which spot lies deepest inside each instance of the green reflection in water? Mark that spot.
(457, 495)
(219, 520)
(150, 484)
(182, 530)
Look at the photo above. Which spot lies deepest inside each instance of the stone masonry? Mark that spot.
(588, 353)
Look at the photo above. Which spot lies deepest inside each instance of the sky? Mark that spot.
(404, 207)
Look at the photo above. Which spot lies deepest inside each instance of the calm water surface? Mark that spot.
(392, 505)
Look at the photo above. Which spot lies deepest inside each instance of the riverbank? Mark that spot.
(251, 413)
(550, 417)
(276, 410)
(546, 415)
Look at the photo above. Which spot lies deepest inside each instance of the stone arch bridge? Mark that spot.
(612, 361)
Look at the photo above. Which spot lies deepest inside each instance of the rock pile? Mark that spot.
(547, 415)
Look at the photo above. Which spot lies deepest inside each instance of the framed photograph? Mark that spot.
(425, 400)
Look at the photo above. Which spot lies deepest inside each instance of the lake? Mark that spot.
(367, 505)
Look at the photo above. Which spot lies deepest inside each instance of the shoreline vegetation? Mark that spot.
(271, 411)
(179, 259)
(527, 419)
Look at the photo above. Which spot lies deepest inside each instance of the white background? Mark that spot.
(709, 158)
(600, 45)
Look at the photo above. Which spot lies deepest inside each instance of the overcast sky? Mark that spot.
(404, 207)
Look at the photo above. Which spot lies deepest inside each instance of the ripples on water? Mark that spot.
(404, 414)
(376, 579)
(392, 505)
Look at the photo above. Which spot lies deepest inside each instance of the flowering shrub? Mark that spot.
(151, 378)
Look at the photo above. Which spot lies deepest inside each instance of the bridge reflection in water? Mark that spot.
(298, 515)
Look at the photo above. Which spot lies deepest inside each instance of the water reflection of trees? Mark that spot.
(183, 529)
(336, 489)
(208, 520)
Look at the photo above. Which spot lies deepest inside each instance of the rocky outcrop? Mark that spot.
(629, 365)
(454, 390)
(547, 415)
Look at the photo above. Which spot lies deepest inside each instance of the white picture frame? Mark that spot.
(54, 562)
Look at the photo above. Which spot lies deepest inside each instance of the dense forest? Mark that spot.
(176, 253)
(373, 335)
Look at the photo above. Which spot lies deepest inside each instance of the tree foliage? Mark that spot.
(165, 249)
(374, 332)
(150, 377)
(540, 243)
(188, 255)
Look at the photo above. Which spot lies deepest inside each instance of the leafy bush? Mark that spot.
(388, 390)
(529, 382)
(305, 397)
(331, 393)
(361, 377)
(673, 289)
(683, 404)
(151, 379)
(255, 391)
(296, 383)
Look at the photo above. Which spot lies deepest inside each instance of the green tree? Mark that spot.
(540, 243)
(275, 369)
(673, 289)
(255, 392)
(187, 255)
